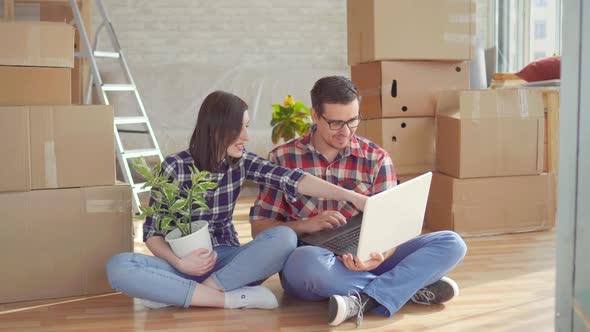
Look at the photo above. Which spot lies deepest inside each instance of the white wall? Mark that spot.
(261, 50)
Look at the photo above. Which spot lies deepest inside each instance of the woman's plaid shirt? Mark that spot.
(222, 200)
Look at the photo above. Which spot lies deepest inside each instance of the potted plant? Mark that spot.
(173, 207)
(290, 119)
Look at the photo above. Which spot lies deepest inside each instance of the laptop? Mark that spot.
(391, 218)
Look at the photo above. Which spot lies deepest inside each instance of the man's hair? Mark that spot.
(332, 90)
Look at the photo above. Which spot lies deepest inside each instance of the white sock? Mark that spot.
(154, 304)
(251, 297)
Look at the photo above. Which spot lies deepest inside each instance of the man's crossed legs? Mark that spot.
(416, 271)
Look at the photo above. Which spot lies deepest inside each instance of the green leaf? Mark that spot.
(142, 215)
(169, 227)
(165, 223)
(148, 210)
(302, 130)
(276, 107)
(179, 204)
(171, 190)
(202, 205)
(285, 111)
(290, 121)
(183, 229)
(158, 194)
(276, 134)
(184, 213)
(298, 106)
(289, 133)
(141, 167)
(208, 185)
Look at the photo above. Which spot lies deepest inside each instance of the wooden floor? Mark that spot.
(507, 284)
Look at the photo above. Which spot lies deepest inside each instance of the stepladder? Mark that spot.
(105, 93)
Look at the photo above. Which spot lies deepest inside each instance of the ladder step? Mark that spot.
(102, 54)
(118, 87)
(140, 153)
(128, 85)
(130, 120)
(99, 54)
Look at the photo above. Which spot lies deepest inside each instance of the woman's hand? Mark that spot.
(359, 200)
(197, 263)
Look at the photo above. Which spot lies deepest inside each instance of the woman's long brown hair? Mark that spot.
(219, 124)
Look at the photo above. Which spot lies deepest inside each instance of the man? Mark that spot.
(414, 271)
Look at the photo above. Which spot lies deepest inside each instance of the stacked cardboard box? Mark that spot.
(489, 161)
(402, 52)
(487, 147)
(59, 11)
(551, 100)
(57, 183)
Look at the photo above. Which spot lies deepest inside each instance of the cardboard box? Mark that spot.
(62, 12)
(406, 177)
(35, 86)
(409, 142)
(551, 97)
(37, 44)
(490, 133)
(410, 30)
(406, 88)
(56, 147)
(59, 241)
(495, 205)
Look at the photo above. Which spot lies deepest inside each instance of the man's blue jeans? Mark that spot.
(152, 278)
(312, 273)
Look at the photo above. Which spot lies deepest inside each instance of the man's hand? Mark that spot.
(354, 263)
(324, 220)
(197, 263)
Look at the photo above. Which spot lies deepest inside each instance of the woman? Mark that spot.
(226, 277)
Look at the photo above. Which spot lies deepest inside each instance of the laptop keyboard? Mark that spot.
(345, 242)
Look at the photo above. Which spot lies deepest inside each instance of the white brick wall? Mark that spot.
(180, 50)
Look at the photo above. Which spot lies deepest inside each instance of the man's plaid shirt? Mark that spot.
(362, 166)
(222, 200)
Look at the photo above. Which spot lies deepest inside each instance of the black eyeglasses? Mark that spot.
(339, 124)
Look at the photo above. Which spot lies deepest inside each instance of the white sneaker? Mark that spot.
(257, 297)
(154, 304)
(342, 308)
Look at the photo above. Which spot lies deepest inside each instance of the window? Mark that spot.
(540, 29)
(539, 55)
(524, 31)
(541, 3)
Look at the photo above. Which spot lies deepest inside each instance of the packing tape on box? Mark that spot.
(461, 18)
(50, 165)
(475, 108)
(473, 2)
(104, 206)
(372, 92)
(459, 38)
(524, 103)
(33, 40)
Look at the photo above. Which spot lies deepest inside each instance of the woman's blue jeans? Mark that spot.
(152, 278)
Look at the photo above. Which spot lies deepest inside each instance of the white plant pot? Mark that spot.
(182, 246)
